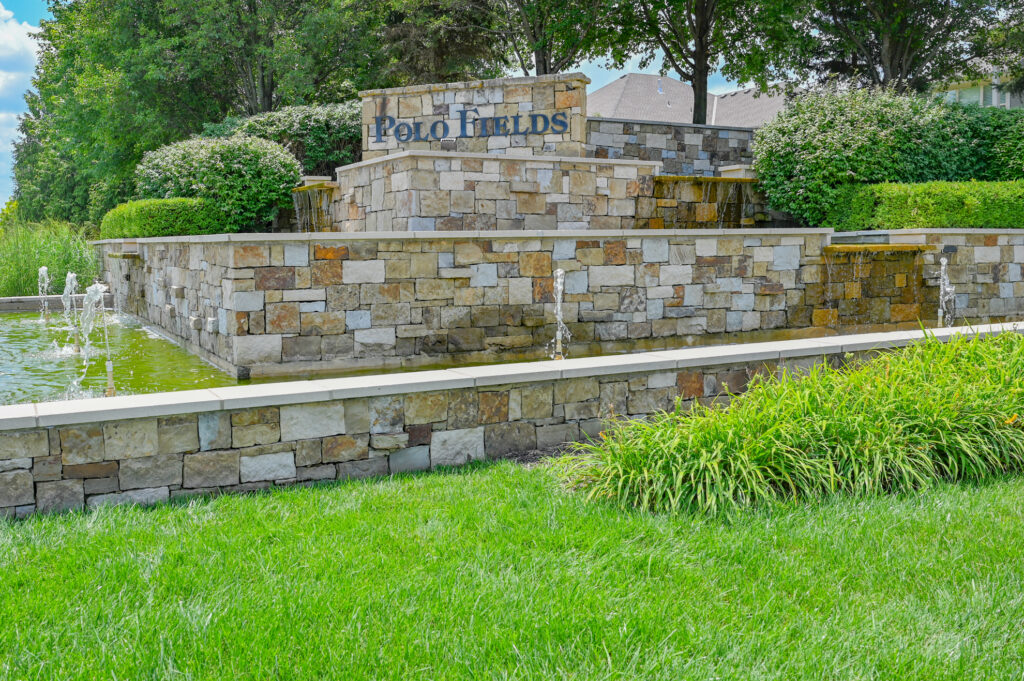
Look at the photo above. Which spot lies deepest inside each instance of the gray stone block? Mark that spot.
(410, 459)
(151, 471)
(16, 488)
(267, 467)
(211, 469)
(60, 495)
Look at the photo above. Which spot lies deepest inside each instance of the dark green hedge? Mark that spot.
(162, 217)
(929, 205)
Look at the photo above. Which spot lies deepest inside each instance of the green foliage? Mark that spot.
(58, 246)
(552, 36)
(118, 78)
(321, 137)
(1009, 150)
(162, 217)
(900, 422)
(247, 178)
(825, 140)
(997, 205)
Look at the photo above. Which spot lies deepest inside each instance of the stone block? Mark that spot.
(16, 489)
(550, 437)
(151, 471)
(389, 441)
(211, 469)
(282, 318)
(576, 390)
(363, 272)
(426, 407)
(308, 453)
(611, 275)
(257, 434)
(502, 439)
(177, 434)
(322, 323)
(60, 495)
(81, 444)
(20, 444)
(410, 459)
(326, 273)
(274, 278)
(311, 473)
(363, 469)
(280, 466)
(456, 447)
(130, 439)
(249, 350)
(535, 264)
(214, 430)
(296, 255)
(143, 497)
(343, 448)
(313, 420)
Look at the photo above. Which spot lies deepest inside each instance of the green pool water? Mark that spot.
(38, 364)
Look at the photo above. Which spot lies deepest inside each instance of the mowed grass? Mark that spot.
(496, 572)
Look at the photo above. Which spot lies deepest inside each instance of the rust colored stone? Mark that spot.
(274, 278)
(91, 470)
(690, 384)
(493, 407)
(321, 252)
(544, 290)
(326, 273)
(615, 253)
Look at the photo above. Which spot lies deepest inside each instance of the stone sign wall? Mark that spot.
(428, 191)
(542, 115)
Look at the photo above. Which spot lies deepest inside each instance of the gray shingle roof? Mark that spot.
(643, 97)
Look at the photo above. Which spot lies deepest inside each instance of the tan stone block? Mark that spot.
(535, 264)
(259, 434)
(81, 444)
(462, 201)
(130, 439)
(434, 289)
(322, 323)
(425, 408)
(907, 312)
(326, 273)
(576, 390)
(582, 183)
(251, 417)
(211, 469)
(410, 106)
(493, 407)
(250, 256)
(531, 204)
(568, 99)
(282, 318)
(536, 402)
(423, 265)
(434, 203)
(176, 434)
(345, 448)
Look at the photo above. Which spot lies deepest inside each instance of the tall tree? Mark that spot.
(744, 38)
(551, 36)
(901, 44)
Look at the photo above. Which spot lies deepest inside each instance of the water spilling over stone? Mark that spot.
(562, 333)
(947, 296)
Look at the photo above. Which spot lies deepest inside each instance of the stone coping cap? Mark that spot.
(467, 235)
(46, 414)
(477, 84)
(414, 153)
(669, 123)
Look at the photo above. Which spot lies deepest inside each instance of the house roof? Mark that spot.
(644, 97)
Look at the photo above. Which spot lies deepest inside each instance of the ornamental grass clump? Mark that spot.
(59, 246)
(932, 411)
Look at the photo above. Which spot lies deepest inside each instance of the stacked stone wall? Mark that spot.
(435, 191)
(681, 149)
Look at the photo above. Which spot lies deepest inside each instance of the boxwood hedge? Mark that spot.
(162, 217)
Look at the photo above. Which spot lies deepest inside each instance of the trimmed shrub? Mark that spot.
(826, 140)
(931, 411)
(162, 217)
(247, 178)
(322, 137)
(929, 205)
(25, 247)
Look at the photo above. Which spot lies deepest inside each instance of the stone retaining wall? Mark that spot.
(321, 302)
(682, 149)
(145, 449)
(435, 191)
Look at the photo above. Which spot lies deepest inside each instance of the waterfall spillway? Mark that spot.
(947, 296)
(562, 333)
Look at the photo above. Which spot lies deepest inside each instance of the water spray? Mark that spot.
(68, 300)
(947, 296)
(44, 293)
(92, 306)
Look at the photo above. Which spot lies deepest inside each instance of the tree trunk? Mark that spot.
(541, 62)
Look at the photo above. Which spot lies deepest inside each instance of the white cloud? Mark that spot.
(18, 52)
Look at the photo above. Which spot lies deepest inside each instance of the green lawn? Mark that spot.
(495, 572)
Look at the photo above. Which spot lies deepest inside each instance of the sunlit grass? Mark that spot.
(495, 571)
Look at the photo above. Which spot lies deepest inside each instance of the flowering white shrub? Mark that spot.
(247, 178)
(322, 137)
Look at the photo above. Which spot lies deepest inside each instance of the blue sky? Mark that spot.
(19, 18)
